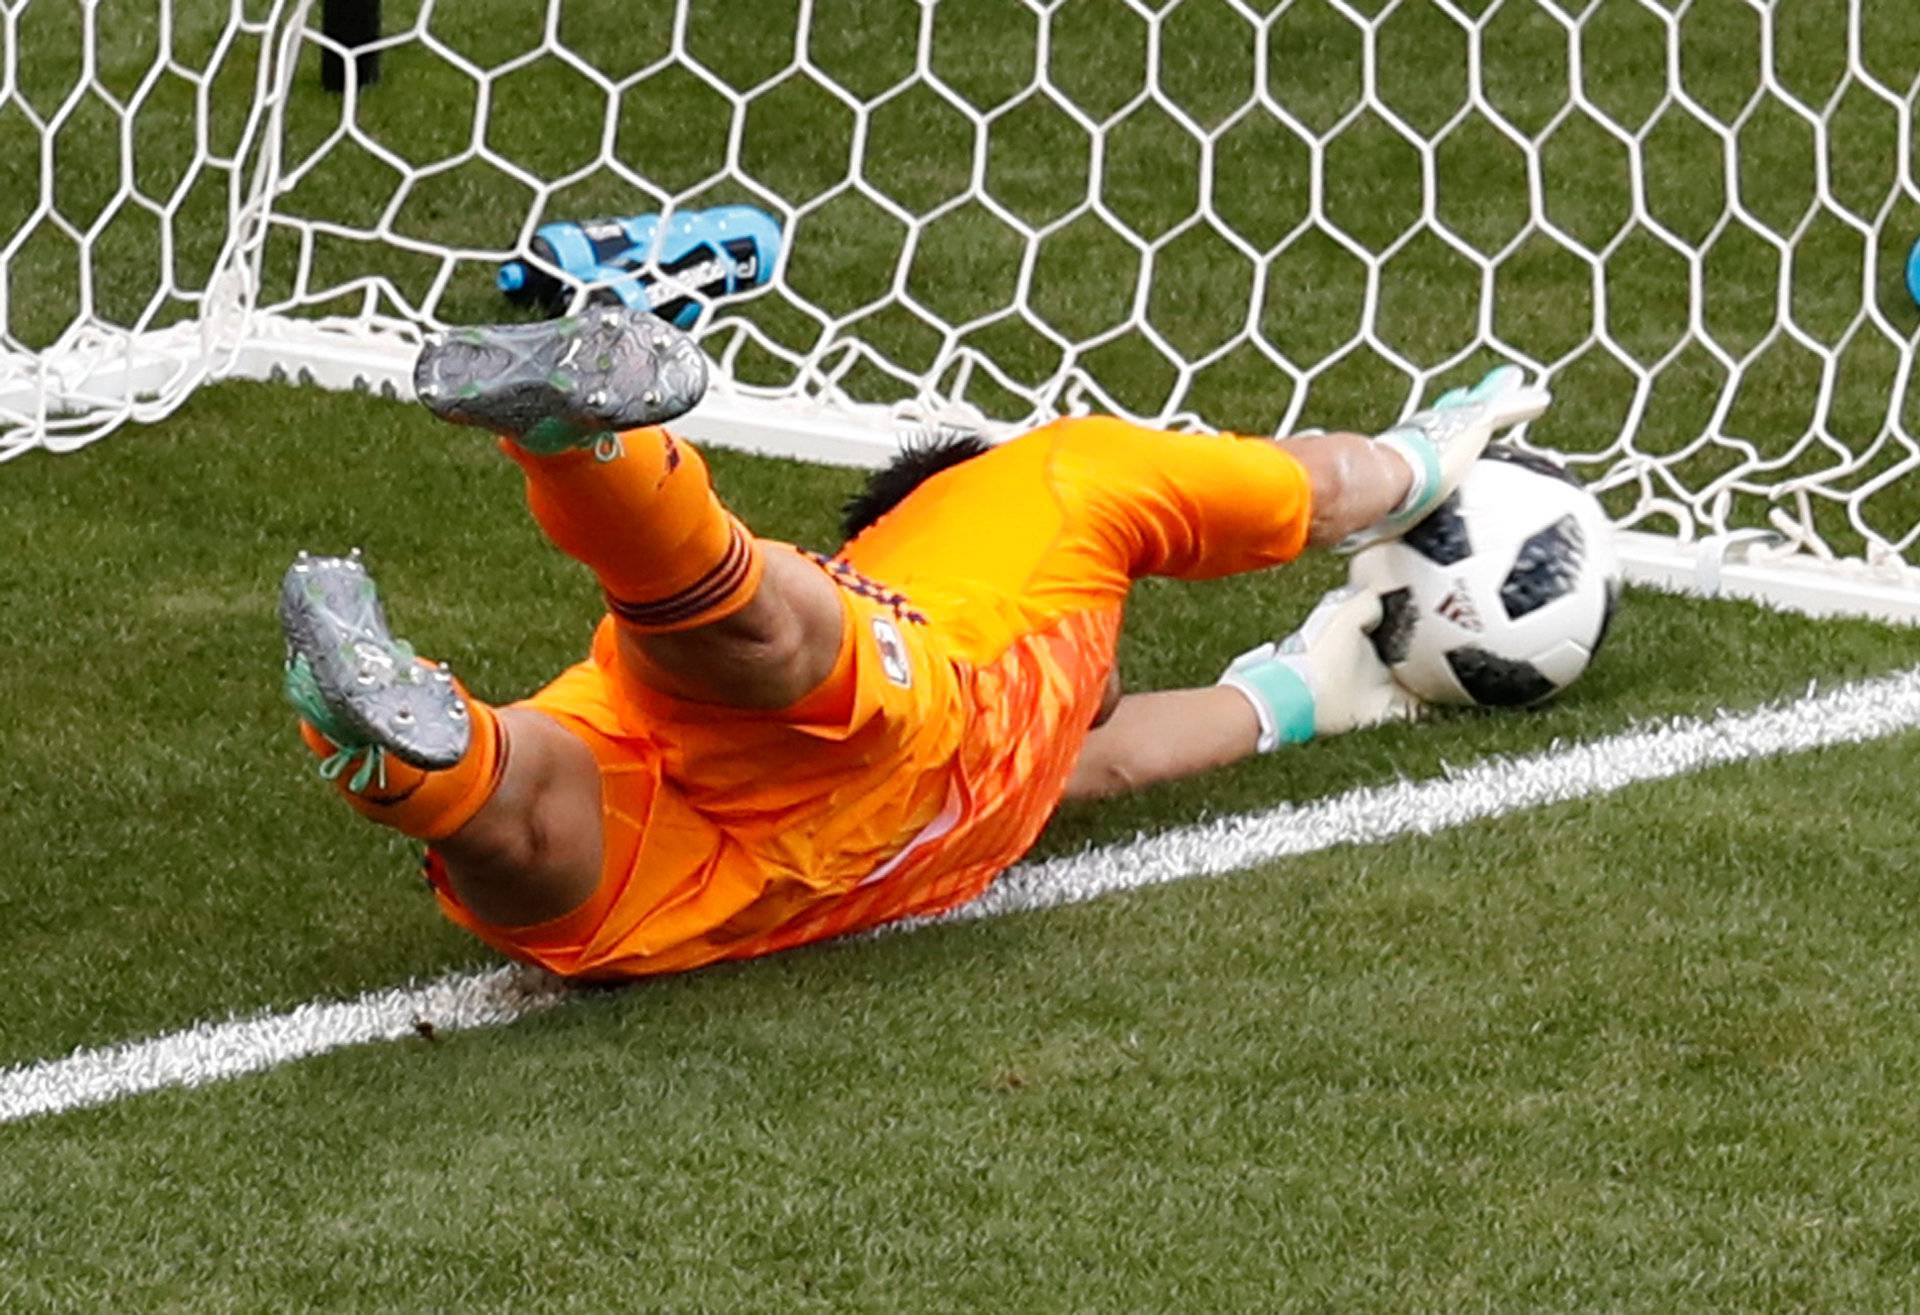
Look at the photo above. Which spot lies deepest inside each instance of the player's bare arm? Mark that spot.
(1356, 483)
(1164, 735)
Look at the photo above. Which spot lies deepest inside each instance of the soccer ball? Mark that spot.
(1501, 597)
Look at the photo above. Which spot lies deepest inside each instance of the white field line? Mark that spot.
(1852, 714)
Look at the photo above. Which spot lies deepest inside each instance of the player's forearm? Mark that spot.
(1164, 736)
(1356, 482)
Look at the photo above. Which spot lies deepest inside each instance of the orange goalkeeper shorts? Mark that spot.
(980, 619)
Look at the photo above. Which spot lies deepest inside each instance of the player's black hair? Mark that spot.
(917, 462)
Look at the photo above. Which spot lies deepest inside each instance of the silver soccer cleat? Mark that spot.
(353, 680)
(562, 383)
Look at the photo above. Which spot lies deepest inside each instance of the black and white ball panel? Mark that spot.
(1399, 614)
(1548, 567)
(1442, 537)
(1501, 597)
(1496, 682)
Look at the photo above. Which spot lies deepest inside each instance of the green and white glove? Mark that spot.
(1441, 443)
(1324, 678)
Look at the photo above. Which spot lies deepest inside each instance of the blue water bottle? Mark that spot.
(717, 253)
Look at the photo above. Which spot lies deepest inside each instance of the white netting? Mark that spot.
(1693, 215)
(128, 152)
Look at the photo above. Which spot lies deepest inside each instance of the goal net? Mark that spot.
(1693, 216)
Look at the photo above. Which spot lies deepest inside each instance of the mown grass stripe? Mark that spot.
(1855, 713)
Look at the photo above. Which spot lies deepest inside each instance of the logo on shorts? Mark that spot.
(893, 652)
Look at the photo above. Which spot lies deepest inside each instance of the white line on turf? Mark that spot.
(208, 1052)
(1856, 713)
(1869, 710)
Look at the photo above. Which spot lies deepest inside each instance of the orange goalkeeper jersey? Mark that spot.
(979, 627)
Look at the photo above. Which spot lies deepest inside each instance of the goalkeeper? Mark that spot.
(769, 746)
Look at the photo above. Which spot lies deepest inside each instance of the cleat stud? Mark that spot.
(650, 397)
(443, 676)
(457, 712)
(403, 717)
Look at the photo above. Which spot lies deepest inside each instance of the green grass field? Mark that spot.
(1627, 1054)
(1652, 1051)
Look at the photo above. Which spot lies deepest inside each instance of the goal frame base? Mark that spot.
(103, 380)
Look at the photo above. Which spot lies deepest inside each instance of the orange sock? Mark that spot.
(669, 556)
(427, 805)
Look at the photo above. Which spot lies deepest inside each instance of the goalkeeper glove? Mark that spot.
(1441, 443)
(1324, 678)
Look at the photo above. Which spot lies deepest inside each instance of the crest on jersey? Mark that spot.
(893, 652)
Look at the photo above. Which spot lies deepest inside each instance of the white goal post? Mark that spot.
(1692, 216)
